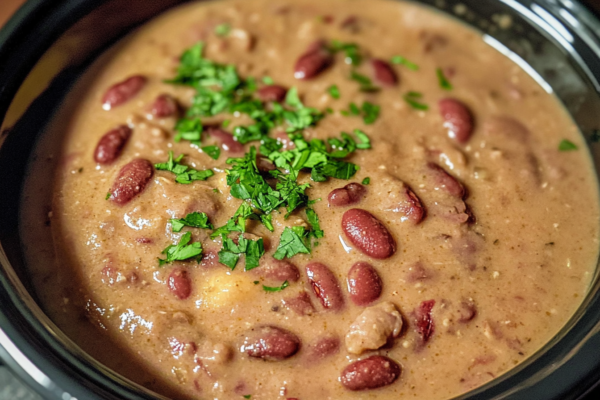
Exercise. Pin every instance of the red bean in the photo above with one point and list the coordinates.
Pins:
(368, 234)
(300, 304)
(325, 286)
(364, 284)
(457, 119)
(179, 283)
(384, 73)
(270, 343)
(277, 270)
(323, 347)
(274, 93)
(350, 194)
(424, 325)
(468, 311)
(316, 59)
(111, 145)
(446, 181)
(411, 207)
(123, 91)
(164, 106)
(371, 373)
(226, 139)
(131, 181)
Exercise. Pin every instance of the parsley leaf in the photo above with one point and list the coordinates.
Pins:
(194, 220)
(412, 98)
(313, 220)
(231, 252)
(366, 181)
(222, 29)
(107, 196)
(370, 112)
(351, 52)
(267, 80)
(366, 85)
(334, 91)
(182, 250)
(276, 288)
(444, 83)
(567, 145)
(399, 60)
(184, 174)
(188, 129)
(212, 151)
(292, 242)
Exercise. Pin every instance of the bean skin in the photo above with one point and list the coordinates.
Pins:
(273, 93)
(316, 59)
(325, 286)
(270, 343)
(457, 119)
(446, 181)
(323, 347)
(179, 283)
(164, 106)
(370, 373)
(226, 140)
(368, 234)
(350, 194)
(364, 284)
(384, 73)
(111, 145)
(122, 92)
(131, 181)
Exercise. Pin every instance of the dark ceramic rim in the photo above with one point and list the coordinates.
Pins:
(33, 349)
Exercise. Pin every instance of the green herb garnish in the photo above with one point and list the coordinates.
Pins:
(194, 220)
(292, 242)
(267, 80)
(108, 196)
(184, 174)
(276, 288)
(412, 98)
(212, 151)
(444, 83)
(567, 145)
(399, 60)
(366, 181)
(231, 252)
(182, 250)
(223, 29)
(351, 51)
(334, 91)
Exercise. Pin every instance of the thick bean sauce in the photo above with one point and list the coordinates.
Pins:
(343, 199)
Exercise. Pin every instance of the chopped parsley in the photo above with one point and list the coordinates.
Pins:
(413, 100)
(351, 51)
(188, 129)
(369, 111)
(366, 85)
(567, 145)
(366, 181)
(231, 252)
(212, 151)
(292, 242)
(184, 174)
(443, 81)
(276, 288)
(267, 80)
(247, 396)
(334, 91)
(222, 29)
(108, 196)
(194, 220)
(182, 250)
(399, 60)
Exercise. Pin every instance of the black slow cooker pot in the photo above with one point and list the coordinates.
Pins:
(49, 42)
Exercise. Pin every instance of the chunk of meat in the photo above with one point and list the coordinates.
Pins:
(374, 328)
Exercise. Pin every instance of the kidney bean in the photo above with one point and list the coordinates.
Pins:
(226, 139)
(457, 119)
(370, 373)
(364, 284)
(123, 91)
(424, 325)
(316, 59)
(264, 164)
(446, 181)
(164, 106)
(179, 283)
(274, 93)
(411, 207)
(323, 347)
(349, 194)
(277, 270)
(270, 343)
(131, 181)
(111, 145)
(467, 311)
(418, 273)
(325, 286)
(384, 73)
(368, 234)
(299, 304)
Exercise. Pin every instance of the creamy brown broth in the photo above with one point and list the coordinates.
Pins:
(501, 267)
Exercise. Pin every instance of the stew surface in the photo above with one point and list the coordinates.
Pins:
(305, 199)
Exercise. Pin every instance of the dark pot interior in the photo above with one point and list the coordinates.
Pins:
(562, 51)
